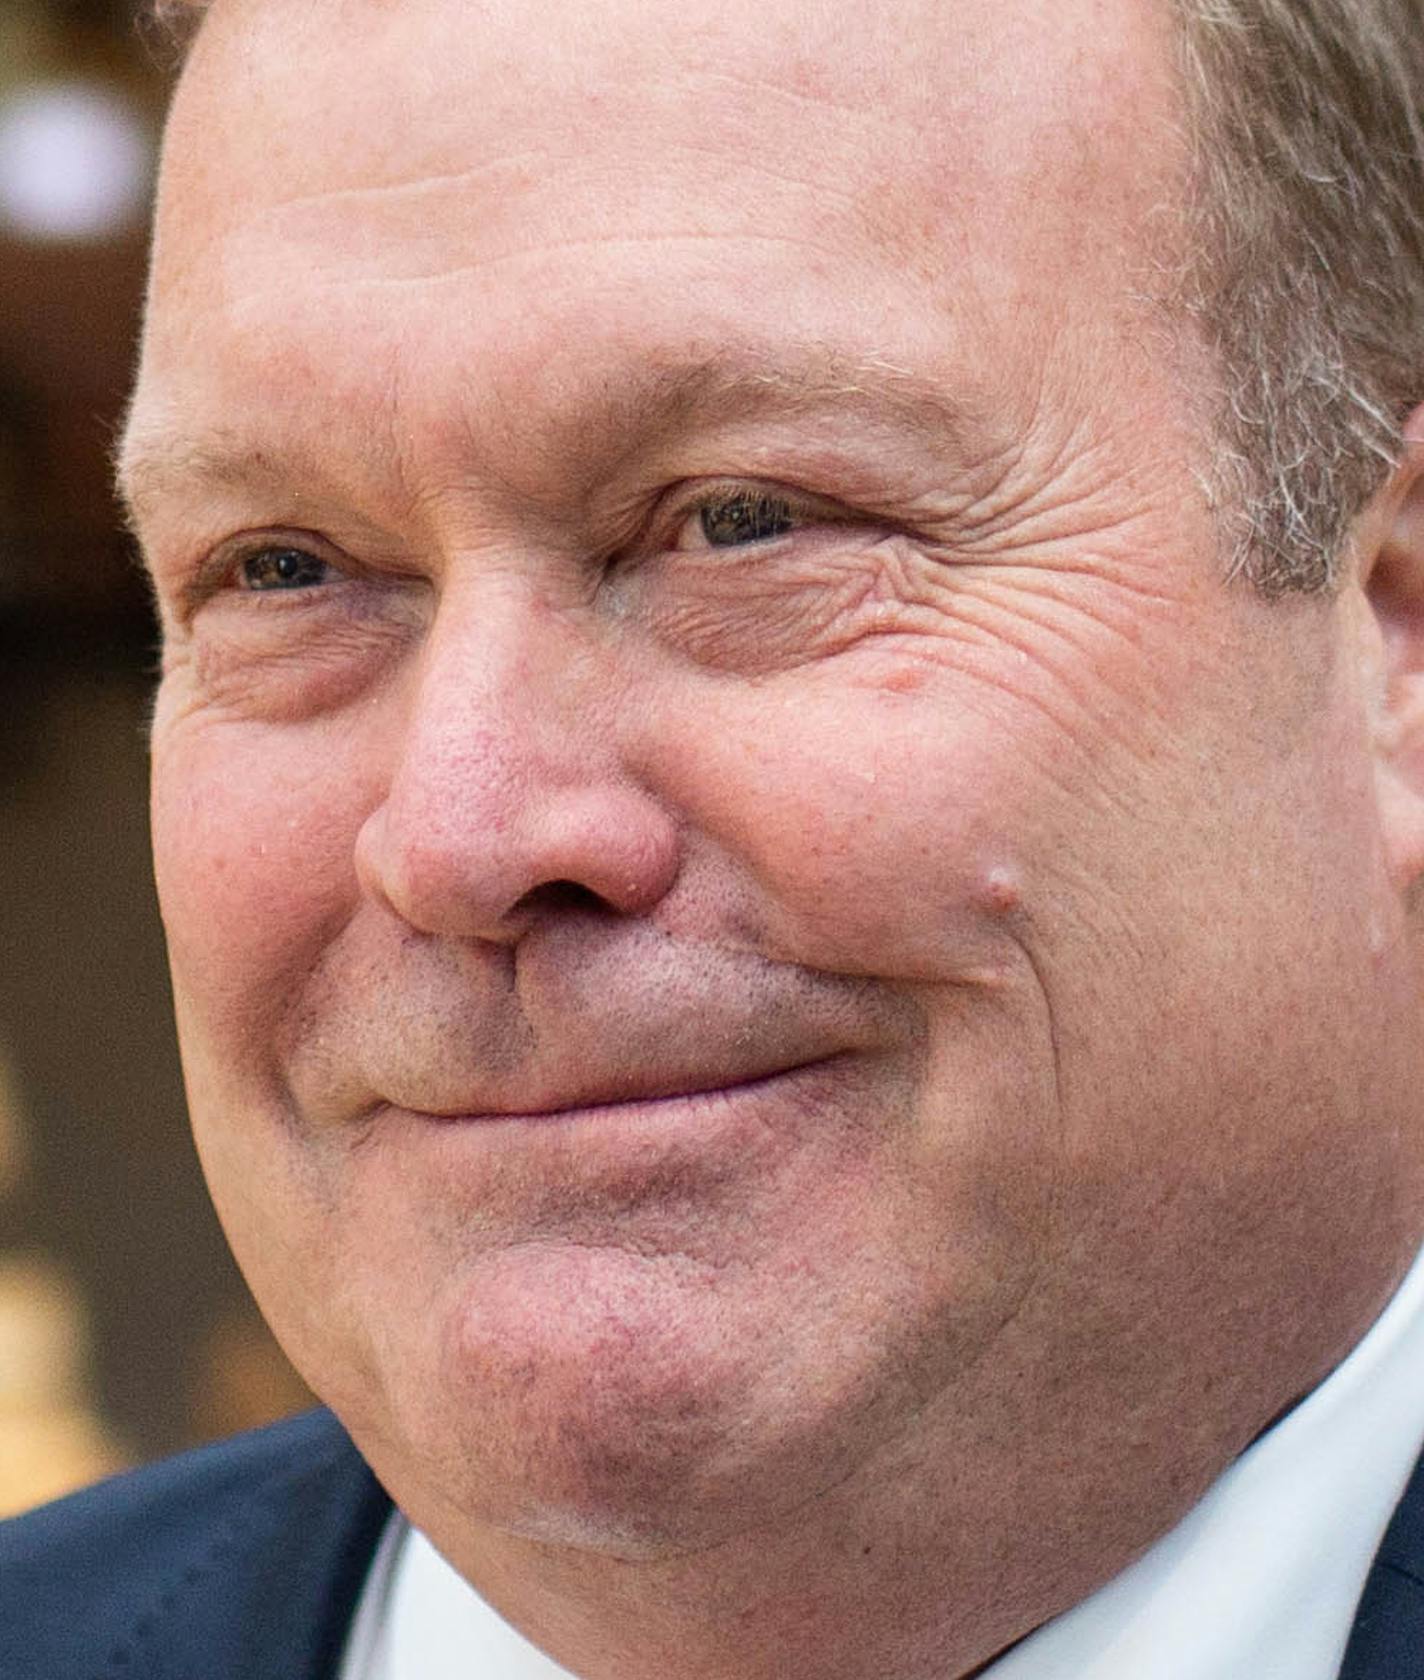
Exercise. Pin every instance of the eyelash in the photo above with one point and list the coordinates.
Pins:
(765, 506)
(761, 503)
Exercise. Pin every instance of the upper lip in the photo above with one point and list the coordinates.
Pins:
(587, 1018)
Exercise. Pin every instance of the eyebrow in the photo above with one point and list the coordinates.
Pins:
(156, 461)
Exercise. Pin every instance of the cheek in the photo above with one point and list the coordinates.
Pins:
(253, 834)
(883, 834)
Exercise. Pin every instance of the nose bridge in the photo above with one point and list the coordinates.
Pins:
(507, 775)
(495, 709)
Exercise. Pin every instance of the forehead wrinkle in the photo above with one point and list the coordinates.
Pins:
(592, 431)
(487, 185)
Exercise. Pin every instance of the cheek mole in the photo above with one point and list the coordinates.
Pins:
(1002, 893)
(905, 680)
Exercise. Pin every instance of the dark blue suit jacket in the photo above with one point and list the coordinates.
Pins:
(244, 1561)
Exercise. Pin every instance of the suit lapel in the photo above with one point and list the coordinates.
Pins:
(281, 1581)
(1387, 1642)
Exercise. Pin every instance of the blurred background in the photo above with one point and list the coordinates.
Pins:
(125, 1331)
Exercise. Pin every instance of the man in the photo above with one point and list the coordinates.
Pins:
(789, 802)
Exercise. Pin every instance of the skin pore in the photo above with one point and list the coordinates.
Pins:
(784, 995)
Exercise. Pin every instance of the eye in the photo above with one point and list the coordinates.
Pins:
(282, 568)
(734, 518)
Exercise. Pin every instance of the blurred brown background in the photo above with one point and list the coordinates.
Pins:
(124, 1329)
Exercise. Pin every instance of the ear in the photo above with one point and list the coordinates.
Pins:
(1389, 547)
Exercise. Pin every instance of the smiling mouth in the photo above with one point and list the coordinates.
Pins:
(649, 1100)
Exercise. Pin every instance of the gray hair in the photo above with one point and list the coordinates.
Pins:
(1307, 262)
(1305, 266)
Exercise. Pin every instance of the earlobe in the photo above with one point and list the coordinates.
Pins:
(1390, 548)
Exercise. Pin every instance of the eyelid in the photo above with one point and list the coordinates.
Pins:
(217, 570)
(690, 499)
(214, 573)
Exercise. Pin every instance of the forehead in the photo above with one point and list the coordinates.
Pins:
(938, 101)
(622, 174)
(926, 57)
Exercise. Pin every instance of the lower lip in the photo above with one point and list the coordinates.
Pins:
(690, 1103)
(602, 1161)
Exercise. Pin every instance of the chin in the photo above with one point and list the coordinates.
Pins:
(634, 1420)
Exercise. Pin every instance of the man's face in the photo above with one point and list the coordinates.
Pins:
(743, 899)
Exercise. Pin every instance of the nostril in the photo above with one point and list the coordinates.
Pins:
(562, 896)
(474, 857)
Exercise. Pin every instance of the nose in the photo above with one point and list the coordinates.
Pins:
(509, 796)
